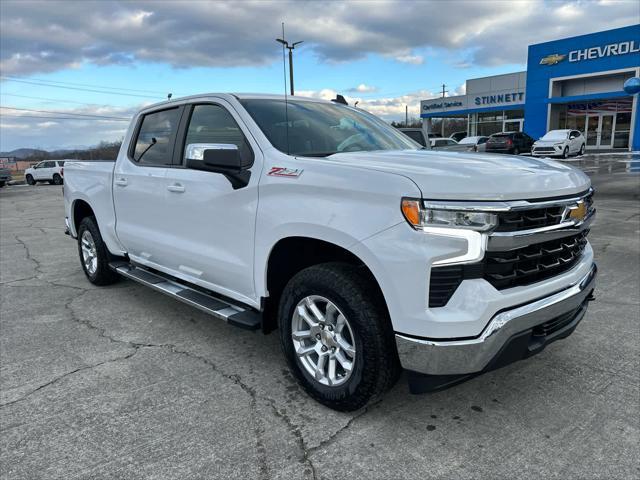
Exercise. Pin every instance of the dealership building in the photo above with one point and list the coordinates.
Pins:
(574, 83)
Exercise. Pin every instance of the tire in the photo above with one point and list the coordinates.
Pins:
(2, 183)
(375, 366)
(30, 180)
(97, 269)
(565, 152)
(582, 149)
(57, 179)
(516, 151)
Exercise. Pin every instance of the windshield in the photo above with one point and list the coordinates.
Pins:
(467, 140)
(322, 129)
(555, 135)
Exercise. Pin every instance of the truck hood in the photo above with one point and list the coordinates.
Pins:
(444, 175)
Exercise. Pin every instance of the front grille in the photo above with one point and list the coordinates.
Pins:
(528, 219)
(533, 263)
(544, 149)
(514, 268)
(535, 218)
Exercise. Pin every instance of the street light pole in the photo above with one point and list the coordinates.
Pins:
(290, 48)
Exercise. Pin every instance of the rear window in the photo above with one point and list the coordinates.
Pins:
(417, 136)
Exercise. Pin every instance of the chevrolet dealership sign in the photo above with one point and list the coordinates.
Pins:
(592, 53)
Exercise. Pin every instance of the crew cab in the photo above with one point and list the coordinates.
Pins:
(51, 171)
(365, 252)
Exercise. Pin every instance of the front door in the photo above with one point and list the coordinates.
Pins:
(213, 224)
(139, 188)
(606, 131)
(599, 131)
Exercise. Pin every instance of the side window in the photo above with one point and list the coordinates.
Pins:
(214, 124)
(154, 145)
(575, 133)
(49, 164)
(61, 164)
(482, 140)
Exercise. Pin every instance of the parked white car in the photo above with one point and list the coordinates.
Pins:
(442, 142)
(559, 143)
(474, 144)
(51, 171)
(365, 251)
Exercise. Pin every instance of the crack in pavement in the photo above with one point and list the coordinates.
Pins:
(60, 377)
(306, 452)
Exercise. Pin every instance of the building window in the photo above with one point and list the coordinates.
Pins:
(488, 123)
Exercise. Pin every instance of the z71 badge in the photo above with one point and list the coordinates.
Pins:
(285, 172)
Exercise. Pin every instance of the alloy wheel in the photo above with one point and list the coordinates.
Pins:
(89, 252)
(323, 340)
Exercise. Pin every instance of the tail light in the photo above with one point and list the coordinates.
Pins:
(62, 171)
(509, 142)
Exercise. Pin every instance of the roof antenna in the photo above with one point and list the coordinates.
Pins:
(286, 104)
(169, 95)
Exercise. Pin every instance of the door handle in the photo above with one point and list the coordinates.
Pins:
(122, 182)
(176, 187)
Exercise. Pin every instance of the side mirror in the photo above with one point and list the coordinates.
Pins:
(221, 158)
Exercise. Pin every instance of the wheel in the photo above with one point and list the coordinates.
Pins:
(516, 151)
(337, 337)
(30, 180)
(57, 179)
(94, 255)
(582, 149)
(565, 152)
(2, 183)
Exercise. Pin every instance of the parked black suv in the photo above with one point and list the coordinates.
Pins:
(509, 142)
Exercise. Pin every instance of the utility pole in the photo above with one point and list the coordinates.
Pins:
(290, 48)
(442, 118)
(406, 115)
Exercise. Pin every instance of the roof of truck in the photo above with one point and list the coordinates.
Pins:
(238, 96)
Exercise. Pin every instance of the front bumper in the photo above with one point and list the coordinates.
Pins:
(530, 326)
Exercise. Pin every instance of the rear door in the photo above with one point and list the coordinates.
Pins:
(213, 224)
(139, 187)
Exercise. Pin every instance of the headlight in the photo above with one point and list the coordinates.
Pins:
(420, 217)
(558, 144)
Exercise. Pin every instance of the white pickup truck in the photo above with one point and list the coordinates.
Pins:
(366, 252)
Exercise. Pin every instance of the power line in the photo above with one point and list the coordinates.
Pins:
(67, 113)
(80, 89)
(60, 100)
(104, 87)
(77, 119)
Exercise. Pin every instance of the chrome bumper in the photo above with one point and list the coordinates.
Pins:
(472, 355)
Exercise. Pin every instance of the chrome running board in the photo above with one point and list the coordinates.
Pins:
(238, 316)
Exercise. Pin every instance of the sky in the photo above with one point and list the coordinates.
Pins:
(74, 72)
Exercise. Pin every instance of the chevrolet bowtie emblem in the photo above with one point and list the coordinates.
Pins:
(552, 59)
(579, 212)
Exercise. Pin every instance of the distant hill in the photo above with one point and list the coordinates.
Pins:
(23, 153)
(103, 151)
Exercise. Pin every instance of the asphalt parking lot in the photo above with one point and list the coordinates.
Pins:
(123, 382)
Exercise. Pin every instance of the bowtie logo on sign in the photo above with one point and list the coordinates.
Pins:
(552, 59)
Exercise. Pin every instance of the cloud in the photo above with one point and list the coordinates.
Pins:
(362, 88)
(47, 36)
(388, 108)
(49, 131)
(412, 59)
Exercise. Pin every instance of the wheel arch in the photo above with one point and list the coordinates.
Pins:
(282, 265)
(80, 209)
